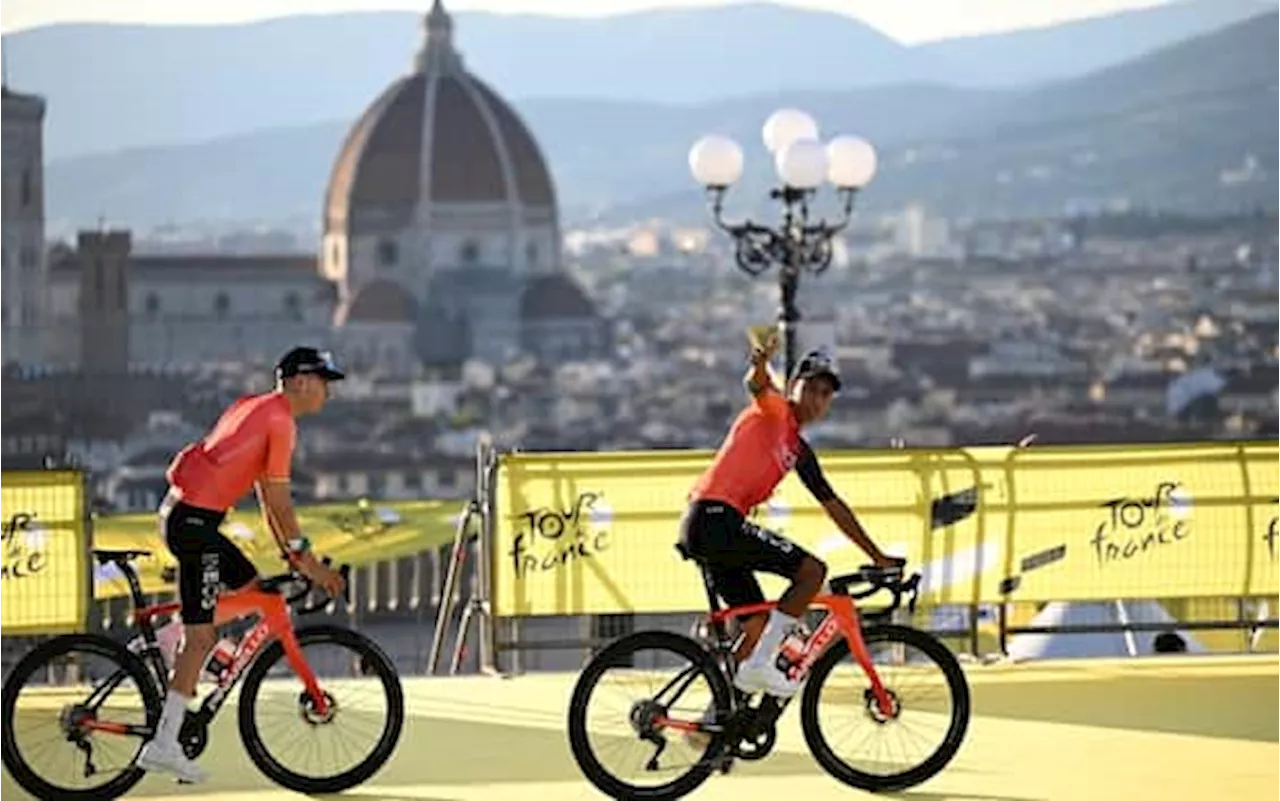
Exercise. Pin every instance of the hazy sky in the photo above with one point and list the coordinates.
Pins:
(906, 20)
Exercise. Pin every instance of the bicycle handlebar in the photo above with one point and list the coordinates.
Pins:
(880, 578)
(279, 582)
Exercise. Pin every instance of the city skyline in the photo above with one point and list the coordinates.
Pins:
(907, 24)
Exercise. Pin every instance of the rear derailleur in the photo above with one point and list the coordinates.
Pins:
(72, 721)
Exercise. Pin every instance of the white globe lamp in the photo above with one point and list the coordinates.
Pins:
(851, 162)
(802, 164)
(715, 161)
(785, 126)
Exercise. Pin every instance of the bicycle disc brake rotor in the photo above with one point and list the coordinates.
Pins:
(873, 707)
(643, 715)
(72, 718)
(307, 708)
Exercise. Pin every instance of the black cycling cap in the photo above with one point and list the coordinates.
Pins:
(309, 361)
(816, 363)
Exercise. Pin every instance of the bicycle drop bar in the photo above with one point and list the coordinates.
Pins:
(306, 585)
(879, 578)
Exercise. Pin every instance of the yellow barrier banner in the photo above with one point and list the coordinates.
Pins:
(357, 532)
(1178, 521)
(595, 533)
(45, 575)
(1262, 483)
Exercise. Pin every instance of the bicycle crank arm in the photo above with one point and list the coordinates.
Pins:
(770, 710)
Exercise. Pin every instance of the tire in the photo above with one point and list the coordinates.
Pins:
(596, 773)
(22, 672)
(833, 765)
(382, 669)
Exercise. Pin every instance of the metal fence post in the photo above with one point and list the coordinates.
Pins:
(445, 610)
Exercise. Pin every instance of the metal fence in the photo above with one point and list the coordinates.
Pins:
(1141, 625)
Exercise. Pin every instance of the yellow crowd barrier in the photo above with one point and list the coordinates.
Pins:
(45, 584)
(594, 533)
(356, 532)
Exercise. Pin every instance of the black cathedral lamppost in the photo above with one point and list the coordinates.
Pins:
(803, 163)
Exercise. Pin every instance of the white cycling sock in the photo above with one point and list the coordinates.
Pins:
(774, 630)
(175, 710)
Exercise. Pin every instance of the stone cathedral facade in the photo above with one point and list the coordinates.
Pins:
(441, 243)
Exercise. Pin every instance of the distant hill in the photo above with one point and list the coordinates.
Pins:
(118, 86)
(1072, 49)
(1160, 130)
(288, 168)
(1166, 130)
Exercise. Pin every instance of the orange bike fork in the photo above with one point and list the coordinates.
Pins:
(847, 613)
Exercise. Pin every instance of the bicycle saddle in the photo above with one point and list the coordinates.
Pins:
(104, 556)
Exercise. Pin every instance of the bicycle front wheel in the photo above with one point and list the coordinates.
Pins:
(76, 712)
(917, 739)
(313, 753)
(640, 705)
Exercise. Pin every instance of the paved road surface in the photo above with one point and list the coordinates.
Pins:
(1165, 729)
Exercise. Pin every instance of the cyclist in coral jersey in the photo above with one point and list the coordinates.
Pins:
(250, 447)
(762, 446)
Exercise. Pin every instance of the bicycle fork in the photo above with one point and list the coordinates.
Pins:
(845, 618)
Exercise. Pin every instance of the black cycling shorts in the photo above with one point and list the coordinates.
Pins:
(208, 562)
(734, 549)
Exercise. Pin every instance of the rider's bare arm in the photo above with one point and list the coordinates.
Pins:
(811, 476)
(273, 488)
(277, 510)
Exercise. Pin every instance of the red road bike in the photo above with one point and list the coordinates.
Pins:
(72, 678)
(723, 725)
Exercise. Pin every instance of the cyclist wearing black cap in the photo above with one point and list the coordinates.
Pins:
(762, 446)
(250, 447)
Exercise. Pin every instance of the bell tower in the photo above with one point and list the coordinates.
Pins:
(24, 294)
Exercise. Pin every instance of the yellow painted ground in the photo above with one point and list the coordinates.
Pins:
(1165, 729)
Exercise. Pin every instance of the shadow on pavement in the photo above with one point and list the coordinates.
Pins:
(1229, 706)
(432, 751)
(920, 795)
(379, 796)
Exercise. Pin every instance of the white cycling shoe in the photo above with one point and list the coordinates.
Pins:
(167, 757)
(754, 677)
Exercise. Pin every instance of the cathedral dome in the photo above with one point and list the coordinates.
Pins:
(382, 301)
(437, 136)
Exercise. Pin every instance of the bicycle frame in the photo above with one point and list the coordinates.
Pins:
(276, 622)
(841, 618)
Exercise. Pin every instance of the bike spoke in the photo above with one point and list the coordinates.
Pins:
(52, 711)
(886, 747)
(617, 744)
(306, 744)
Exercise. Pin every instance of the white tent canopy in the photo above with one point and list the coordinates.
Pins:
(1116, 644)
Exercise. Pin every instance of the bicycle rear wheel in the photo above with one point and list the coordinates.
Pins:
(929, 692)
(86, 704)
(365, 697)
(662, 694)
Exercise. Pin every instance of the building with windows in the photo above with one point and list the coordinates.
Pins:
(24, 267)
(441, 244)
